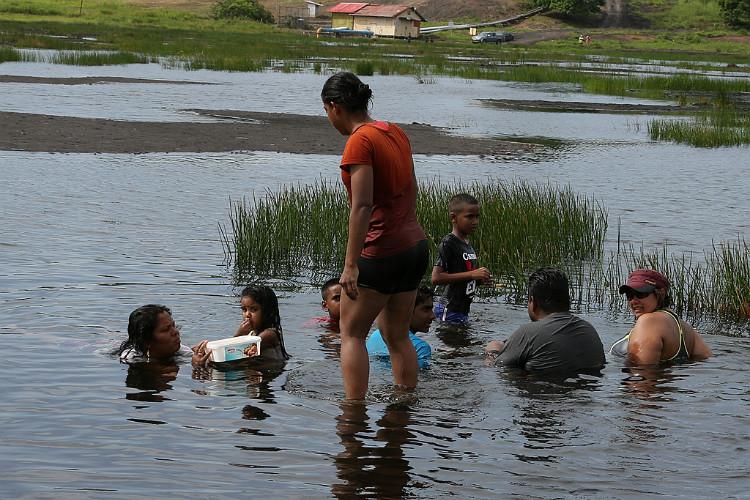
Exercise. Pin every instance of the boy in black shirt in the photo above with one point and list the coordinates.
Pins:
(457, 264)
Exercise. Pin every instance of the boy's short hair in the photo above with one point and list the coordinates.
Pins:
(423, 294)
(458, 202)
(327, 285)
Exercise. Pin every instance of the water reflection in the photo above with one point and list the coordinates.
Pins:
(548, 407)
(150, 379)
(654, 383)
(651, 387)
(253, 379)
(330, 341)
(380, 471)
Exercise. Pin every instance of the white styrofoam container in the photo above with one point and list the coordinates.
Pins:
(232, 348)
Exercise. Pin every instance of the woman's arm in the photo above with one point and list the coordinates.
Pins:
(700, 348)
(359, 221)
(646, 341)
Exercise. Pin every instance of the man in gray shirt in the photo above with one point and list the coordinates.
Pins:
(555, 340)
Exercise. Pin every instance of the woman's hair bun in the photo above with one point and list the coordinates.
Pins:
(364, 91)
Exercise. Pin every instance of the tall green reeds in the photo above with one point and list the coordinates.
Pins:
(708, 287)
(610, 84)
(722, 126)
(9, 54)
(302, 229)
(99, 58)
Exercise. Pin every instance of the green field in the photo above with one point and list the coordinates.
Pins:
(134, 31)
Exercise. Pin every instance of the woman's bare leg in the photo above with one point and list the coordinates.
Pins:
(357, 317)
(393, 322)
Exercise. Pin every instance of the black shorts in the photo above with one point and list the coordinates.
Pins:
(396, 273)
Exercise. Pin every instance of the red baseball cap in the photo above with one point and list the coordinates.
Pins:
(645, 281)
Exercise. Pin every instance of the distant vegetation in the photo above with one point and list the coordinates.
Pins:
(242, 9)
(736, 12)
(571, 8)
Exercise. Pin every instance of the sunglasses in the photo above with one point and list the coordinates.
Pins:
(638, 295)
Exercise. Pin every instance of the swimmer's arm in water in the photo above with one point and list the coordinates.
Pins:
(359, 220)
(492, 351)
(244, 329)
(700, 348)
(646, 341)
(200, 355)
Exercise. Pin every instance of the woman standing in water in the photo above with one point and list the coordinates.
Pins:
(386, 252)
(659, 335)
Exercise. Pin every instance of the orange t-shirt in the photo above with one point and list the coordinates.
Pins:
(393, 224)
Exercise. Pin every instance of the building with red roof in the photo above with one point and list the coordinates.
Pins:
(398, 21)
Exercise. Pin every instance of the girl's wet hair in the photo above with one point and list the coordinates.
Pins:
(141, 326)
(347, 90)
(269, 307)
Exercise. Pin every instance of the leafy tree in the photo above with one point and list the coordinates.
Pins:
(736, 13)
(573, 8)
(242, 9)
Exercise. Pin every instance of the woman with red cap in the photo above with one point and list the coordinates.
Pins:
(659, 335)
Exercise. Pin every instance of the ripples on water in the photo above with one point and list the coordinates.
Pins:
(87, 238)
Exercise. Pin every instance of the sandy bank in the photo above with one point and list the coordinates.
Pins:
(238, 131)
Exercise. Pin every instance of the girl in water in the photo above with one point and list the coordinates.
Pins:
(260, 317)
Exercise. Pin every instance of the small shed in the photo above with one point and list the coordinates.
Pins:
(313, 8)
(398, 21)
(341, 14)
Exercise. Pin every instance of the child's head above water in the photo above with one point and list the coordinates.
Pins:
(423, 315)
(464, 213)
(260, 309)
(331, 294)
(152, 332)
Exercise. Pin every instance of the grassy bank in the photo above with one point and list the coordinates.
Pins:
(203, 42)
(302, 229)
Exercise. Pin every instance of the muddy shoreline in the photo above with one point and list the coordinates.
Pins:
(588, 107)
(235, 131)
(90, 80)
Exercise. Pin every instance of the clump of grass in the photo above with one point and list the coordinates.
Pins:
(711, 288)
(287, 233)
(648, 86)
(9, 54)
(722, 126)
(729, 265)
(364, 68)
(78, 58)
(304, 228)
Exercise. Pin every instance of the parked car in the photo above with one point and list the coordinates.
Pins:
(492, 36)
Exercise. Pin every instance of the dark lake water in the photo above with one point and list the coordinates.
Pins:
(87, 238)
